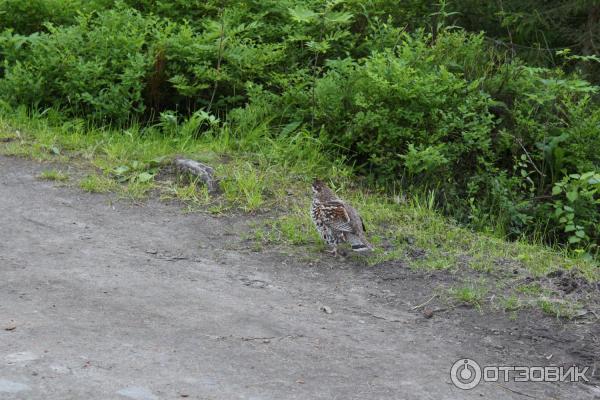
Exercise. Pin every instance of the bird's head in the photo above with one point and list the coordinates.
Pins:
(317, 186)
(320, 188)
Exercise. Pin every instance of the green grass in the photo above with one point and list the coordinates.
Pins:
(194, 195)
(271, 177)
(473, 294)
(511, 303)
(245, 186)
(559, 308)
(97, 184)
(534, 288)
(53, 175)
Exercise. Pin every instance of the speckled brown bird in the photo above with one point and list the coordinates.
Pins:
(336, 221)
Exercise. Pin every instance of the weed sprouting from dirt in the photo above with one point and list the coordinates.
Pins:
(53, 175)
(97, 184)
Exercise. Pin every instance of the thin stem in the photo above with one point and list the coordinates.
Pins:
(219, 59)
(510, 37)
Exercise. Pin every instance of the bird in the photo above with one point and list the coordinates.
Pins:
(337, 221)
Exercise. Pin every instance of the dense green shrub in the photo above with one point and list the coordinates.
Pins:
(119, 64)
(209, 68)
(96, 67)
(576, 215)
(403, 112)
(27, 17)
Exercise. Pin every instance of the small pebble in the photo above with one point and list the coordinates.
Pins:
(326, 309)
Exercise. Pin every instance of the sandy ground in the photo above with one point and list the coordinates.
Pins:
(102, 299)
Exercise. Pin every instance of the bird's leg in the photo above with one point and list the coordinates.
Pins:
(333, 251)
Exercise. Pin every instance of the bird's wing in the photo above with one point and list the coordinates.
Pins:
(355, 219)
(336, 216)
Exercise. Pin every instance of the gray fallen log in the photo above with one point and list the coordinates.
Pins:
(203, 172)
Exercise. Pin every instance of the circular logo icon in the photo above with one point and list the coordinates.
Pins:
(465, 374)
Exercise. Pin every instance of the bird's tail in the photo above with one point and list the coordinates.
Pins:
(359, 242)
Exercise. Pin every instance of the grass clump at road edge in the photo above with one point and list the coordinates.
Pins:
(97, 184)
(473, 295)
(53, 175)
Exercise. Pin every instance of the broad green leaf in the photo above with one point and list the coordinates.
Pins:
(556, 190)
(569, 228)
(145, 177)
(291, 127)
(339, 17)
(594, 181)
(587, 175)
(157, 161)
(302, 14)
(122, 170)
(319, 47)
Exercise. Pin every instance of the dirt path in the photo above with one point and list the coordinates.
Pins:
(106, 300)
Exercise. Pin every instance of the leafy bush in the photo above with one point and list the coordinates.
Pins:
(576, 209)
(96, 67)
(27, 17)
(401, 111)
